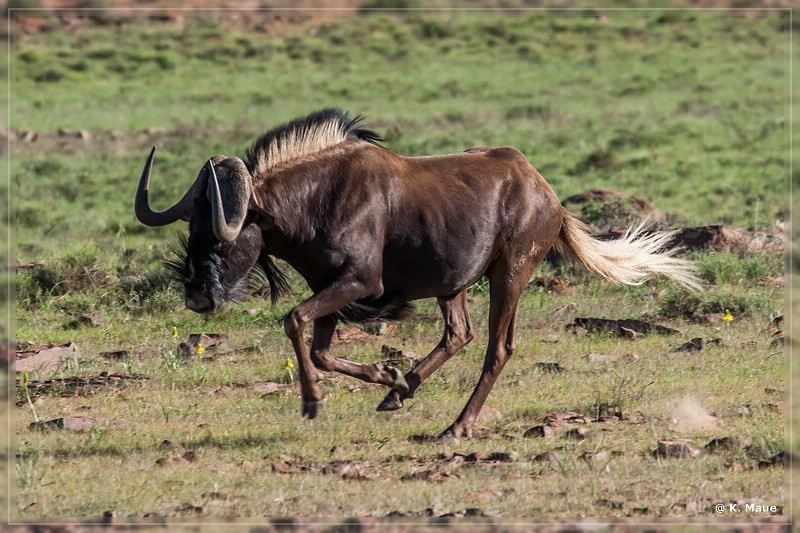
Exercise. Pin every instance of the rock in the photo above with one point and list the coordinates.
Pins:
(581, 433)
(116, 355)
(543, 431)
(47, 360)
(629, 328)
(206, 341)
(75, 423)
(503, 457)
(398, 355)
(554, 418)
(596, 457)
(551, 368)
(379, 327)
(268, 388)
(778, 459)
(675, 448)
(552, 455)
(728, 443)
(695, 345)
(283, 467)
(554, 285)
(741, 410)
(168, 445)
(569, 307)
(350, 334)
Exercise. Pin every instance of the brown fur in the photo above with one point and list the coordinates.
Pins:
(370, 230)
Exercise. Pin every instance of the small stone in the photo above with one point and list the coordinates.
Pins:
(778, 459)
(728, 443)
(546, 457)
(581, 433)
(380, 328)
(283, 467)
(742, 410)
(675, 448)
(542, 431)
(595, 457)
(503, 457)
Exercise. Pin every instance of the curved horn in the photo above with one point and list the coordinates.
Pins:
(240, 188)
(141, 205)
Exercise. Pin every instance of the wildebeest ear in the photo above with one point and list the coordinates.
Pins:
(260, 216)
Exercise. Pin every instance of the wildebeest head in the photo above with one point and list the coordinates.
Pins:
(223, 244)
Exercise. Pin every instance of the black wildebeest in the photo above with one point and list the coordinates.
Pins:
(371, 230)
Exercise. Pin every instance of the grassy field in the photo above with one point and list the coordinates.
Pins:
(686, 108)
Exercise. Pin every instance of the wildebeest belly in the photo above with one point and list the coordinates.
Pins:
(433, 269)
(441, 248)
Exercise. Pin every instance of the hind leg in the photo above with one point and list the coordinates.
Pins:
(324, 360)
(506, 287)
(457, 334)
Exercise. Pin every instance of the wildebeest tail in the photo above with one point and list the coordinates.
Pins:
(631, 259)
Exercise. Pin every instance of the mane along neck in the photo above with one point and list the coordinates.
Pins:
(304, 137)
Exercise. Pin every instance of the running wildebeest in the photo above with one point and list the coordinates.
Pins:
(370, 231)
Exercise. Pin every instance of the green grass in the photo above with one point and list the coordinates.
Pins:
(688, 109)
(238, 435)
(697, 126)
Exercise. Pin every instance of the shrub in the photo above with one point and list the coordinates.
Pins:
(731, 269)
(678, 302)
(78, 271)
(619, 212)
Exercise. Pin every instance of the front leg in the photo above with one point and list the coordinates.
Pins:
(311, 392)
(323, 303)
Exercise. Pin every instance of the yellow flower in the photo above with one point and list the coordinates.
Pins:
(728, 316)
(25, 378)
(200, 349)
(289, 364)
(174, 332)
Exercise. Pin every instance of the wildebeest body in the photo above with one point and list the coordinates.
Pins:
(401, 227)
(370, 230)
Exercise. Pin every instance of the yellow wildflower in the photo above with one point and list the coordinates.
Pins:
(200, 349)
(174, 332)
(289, 364)
(728, 316)
(25, 379)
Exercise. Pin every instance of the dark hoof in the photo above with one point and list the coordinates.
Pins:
(312, 409)
(400, 383)
(390, 403)
(448, 437)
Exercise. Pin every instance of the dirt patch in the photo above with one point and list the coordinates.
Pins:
(689, 415)
(115, 142)
(74, 385)
(270, 17)
(638, 204)
(44, 359)
(627, 328)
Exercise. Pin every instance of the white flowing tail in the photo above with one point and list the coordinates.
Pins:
(631, 259)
